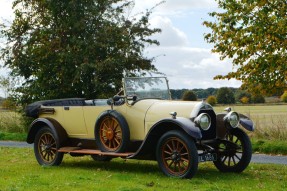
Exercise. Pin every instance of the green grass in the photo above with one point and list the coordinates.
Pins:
(20, 171)
(4, 136)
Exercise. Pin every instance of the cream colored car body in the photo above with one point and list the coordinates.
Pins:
(79, 121)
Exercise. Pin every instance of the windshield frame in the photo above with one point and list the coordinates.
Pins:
(154, 80)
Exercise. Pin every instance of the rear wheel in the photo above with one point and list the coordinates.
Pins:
(177, 155)
(234, 153)
(46, 147)
(112, 133)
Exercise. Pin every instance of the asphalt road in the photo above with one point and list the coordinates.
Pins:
(256, 158)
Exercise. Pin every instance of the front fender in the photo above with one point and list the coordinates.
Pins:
(246, 122)
(38, 123)
(147, 148)
(180, 123)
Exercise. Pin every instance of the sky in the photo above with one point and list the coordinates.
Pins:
(183, 55)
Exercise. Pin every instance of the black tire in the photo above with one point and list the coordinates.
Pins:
(234, 154)
(101, 158)
(46, 147)
(177, 155)
(112, 132)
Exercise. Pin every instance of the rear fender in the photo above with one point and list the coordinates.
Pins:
(56, 128)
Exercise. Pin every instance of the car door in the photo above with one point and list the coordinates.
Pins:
(74, 121)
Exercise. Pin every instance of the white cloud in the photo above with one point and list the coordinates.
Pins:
(190, 68)
(6, 10)
(170, 35)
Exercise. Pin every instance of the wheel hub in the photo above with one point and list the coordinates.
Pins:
(110, 134)
(175, 156)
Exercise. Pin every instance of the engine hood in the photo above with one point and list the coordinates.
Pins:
(162, 109)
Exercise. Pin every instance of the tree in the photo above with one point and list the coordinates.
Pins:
(225, 96)
(75, 48)
(189, 96)
(6, 84)
(242, 94)
(257, 98)
(253, 34)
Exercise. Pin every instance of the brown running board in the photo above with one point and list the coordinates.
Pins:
(78, 150)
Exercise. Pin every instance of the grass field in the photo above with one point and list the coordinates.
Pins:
(20, 171)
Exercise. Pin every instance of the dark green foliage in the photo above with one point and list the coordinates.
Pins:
(258, 98)
(67, 48)
(225, 96)
(177, 94)
(189, 96)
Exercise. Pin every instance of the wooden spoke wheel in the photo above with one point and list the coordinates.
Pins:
(234, 153)
(177, 155)
(112, 132)
(46, 146)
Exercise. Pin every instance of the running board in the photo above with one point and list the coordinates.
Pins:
(78, 150)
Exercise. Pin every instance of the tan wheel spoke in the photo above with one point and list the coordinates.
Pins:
(183, 154)
(184, 159)
(169, 147)
(171, 164)
(117, 141)
(173, 145)
(168, 158)
(169, 153)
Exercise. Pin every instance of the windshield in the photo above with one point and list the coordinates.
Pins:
(147, 87)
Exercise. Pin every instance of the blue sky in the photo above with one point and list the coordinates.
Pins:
(183, 55)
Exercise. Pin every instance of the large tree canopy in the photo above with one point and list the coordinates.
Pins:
(75, 48)
(254, 34)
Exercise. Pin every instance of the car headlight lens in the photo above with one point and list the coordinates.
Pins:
(203, 121)
(232, 118)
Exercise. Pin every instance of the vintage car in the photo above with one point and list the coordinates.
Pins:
(141, 122)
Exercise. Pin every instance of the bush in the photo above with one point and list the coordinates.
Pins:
(284, 97)
(225, 96)
(211, 100)
(244, 100)
(189, 96)
(258, 98)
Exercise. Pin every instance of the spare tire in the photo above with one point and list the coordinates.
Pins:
(112, 132)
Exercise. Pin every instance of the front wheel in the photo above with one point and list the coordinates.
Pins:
(234, 153)
(177, 155)
(46, 146)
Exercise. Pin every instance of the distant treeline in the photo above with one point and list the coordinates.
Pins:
(200, 93)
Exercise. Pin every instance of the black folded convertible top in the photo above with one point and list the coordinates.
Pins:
(32, 110)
